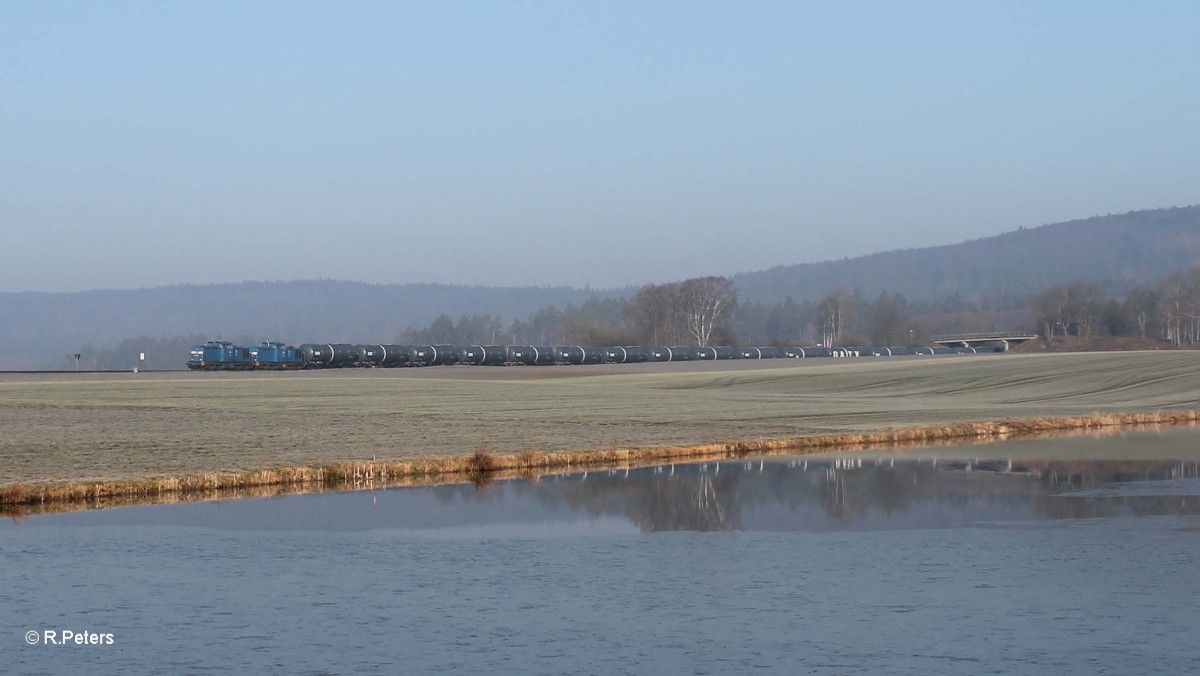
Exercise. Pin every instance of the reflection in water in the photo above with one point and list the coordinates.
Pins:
(699, 502)
(720, 496)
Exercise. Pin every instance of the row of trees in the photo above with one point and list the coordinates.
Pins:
(1169, 310)
(468, 330)
(593, 322)
(703, 311)
(696, 312)
(841, 317)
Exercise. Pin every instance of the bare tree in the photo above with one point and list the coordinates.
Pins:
(703, 302)
(886, 319)
(834, 314)
(1084, 302)
(653, 314)
(1048, 308)
(1139, 308)
(1173, 293)
(1180, 306)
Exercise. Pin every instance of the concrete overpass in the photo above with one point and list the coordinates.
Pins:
(997, 340)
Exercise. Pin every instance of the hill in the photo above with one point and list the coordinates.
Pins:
(1115, 251)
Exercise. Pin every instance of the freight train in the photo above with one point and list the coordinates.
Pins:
(219, 355)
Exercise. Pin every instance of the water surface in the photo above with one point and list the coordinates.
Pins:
(988, 559)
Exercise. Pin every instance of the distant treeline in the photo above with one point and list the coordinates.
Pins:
(1168, 310)
(706, 311)
(693, 312)
(665, 315)
(682, 314)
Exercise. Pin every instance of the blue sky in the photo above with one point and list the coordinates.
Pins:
(569, 143)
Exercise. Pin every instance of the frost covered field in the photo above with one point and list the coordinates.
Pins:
(73, 427)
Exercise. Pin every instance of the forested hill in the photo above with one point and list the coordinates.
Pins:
(37, 330)
(1115, 251)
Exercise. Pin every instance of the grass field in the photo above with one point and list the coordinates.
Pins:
(101, 427)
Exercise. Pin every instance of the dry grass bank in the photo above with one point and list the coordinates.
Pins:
(105, 434)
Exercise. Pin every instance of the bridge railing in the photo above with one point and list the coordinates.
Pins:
(993, 335)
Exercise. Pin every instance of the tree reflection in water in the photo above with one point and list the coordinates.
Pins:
(846, 492)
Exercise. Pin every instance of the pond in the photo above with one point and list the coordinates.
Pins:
(1050, 556)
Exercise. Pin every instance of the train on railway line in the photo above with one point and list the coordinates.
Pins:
(219, 355)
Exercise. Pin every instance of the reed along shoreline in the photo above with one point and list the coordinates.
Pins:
(484, 464)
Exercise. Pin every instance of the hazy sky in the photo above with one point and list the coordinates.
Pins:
(569, 142)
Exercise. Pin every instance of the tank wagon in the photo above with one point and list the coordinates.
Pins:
(485, 355)
(578, 354)
(329, 355)
(677, 353)
(763, 353)
(530, 355)
(274, 355)
(627, 355)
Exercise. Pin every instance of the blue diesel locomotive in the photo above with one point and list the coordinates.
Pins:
(225, 356)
